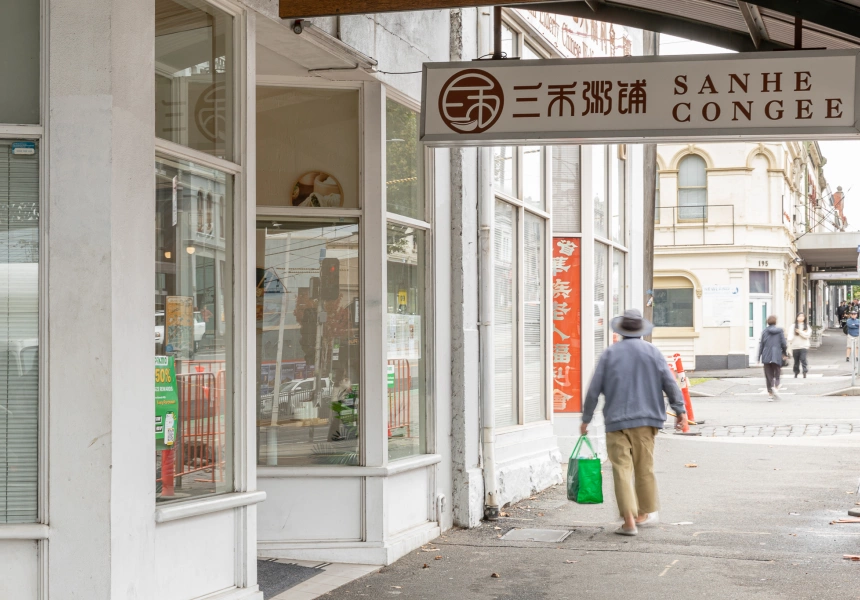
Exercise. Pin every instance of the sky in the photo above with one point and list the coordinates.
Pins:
(843, 156)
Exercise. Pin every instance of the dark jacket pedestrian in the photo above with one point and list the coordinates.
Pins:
(771, 348)
(632, 375)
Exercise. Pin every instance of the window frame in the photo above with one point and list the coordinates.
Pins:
(429, 333)
(367, 111)
(240, 336)
(607, 240)
(36, 132)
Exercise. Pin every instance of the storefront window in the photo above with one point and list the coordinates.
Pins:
(193, 331)
(406, 341)
(534, 314)
(617, 182)
(533, 180)
(504, 325)
(20, 65)
(194, 65)
(308, 147)
(19, 330)
(617, 282)
(308, 349)
(504, 169)
(600, 317)
(673, 307)
(598, 189)
(566, 190)
(404, 161)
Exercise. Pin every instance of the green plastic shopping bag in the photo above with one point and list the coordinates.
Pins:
(584, 479)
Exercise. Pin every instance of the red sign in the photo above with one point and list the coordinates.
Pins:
(567, 326)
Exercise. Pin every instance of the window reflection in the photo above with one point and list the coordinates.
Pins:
(406, 342)
(193, 319)
(193, 76)
(308, 348)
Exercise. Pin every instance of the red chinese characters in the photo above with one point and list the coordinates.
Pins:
(567, 326)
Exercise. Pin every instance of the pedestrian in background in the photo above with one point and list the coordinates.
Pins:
(771, 348)
(852, 328)
(840, 311)
(799, 344)
(632, 376)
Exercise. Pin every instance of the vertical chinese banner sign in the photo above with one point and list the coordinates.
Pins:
(567, 326)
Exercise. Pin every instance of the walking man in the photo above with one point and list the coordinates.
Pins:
(852, 328)
(799, 343)
(771, 348)
(632, 376)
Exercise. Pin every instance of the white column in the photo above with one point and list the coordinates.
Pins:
(101, 204)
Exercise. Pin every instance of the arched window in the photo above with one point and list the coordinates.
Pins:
(692, 189)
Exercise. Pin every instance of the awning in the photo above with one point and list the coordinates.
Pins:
(831, 250)
(733, 24)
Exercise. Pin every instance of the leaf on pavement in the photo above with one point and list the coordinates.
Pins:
(851, 557)
(691, 465)
(495, 576)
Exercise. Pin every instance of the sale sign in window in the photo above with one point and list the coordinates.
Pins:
(567, 326)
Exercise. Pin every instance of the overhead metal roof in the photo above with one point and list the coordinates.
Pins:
(742, 26)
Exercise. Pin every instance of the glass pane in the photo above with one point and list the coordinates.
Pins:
(617, 178)
(404, 160)
(533, 176)
(598, 188)
(307, 147)
(308, 343)
(618, 291)
(692, 204)
(691, 172)
(759, 282)
(600, 318)
(193, 331)
(194, 76)
(534, 349)
(566, 191)
(503, 170)
(529, 53)
(673, 307)
(20, 64)
(509, 41)
(19, 331)
(407, 394)
(504, 330)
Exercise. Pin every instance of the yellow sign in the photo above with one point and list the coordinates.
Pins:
(179, 325)
(402, 297)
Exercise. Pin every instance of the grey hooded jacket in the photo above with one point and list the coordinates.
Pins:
(772, 345)
(632, 376)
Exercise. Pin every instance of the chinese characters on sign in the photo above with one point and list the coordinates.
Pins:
(553, 100)
(566, 321)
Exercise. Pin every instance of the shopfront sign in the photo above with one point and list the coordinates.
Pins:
(295, 9)
(566, 330)
(799, 94)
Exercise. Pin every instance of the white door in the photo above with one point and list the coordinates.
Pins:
(759, 310)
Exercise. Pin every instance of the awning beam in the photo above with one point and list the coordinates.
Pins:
(755, 24)
(659, 22)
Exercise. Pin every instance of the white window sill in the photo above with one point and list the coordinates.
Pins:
(194, 508)
(393, 468)
(24, 531)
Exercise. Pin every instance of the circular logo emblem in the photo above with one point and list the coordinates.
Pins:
(471, 101)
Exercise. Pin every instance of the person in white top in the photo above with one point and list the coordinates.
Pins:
(798, 341)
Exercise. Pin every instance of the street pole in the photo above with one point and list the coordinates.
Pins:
(272, 434)
(650, 47)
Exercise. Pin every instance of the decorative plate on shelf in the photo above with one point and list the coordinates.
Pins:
(318, 189)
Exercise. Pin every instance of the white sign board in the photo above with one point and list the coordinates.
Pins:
(795, 95)
(720, 305)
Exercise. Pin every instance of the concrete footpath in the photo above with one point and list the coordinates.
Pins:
(750, 520)
(746, 514)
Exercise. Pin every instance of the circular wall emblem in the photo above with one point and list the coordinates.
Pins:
(471, 101)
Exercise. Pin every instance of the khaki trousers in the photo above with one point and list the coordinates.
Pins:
(631, 452)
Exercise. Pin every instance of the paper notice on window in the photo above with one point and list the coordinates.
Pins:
(404, 336)
(721, 305)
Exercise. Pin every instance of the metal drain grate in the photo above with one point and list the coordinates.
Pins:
(537, 535)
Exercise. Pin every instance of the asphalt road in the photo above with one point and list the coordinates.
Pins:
(751, 520)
